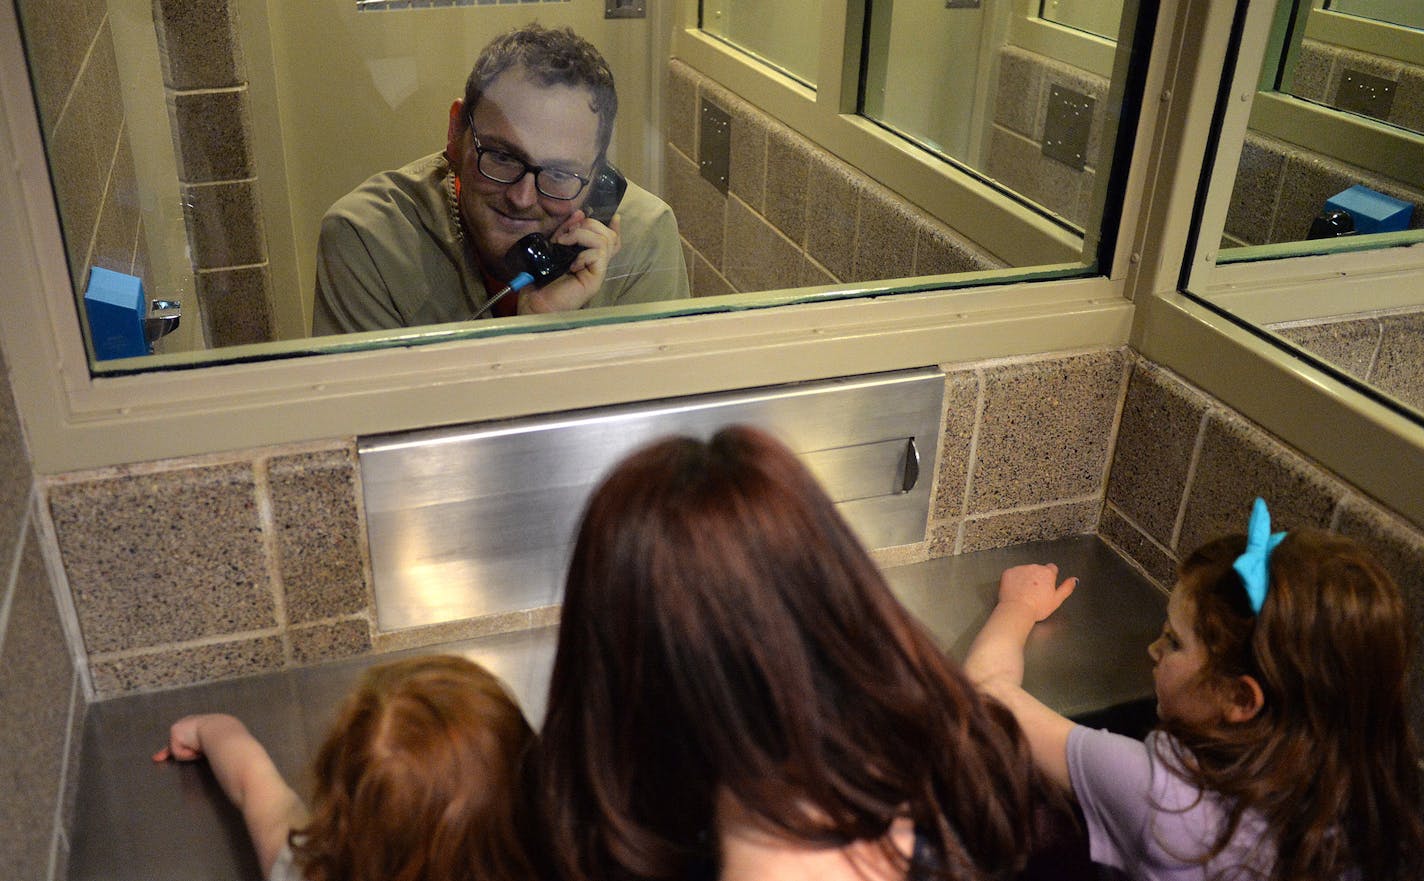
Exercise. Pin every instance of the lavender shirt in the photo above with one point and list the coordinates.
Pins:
(1146, 820)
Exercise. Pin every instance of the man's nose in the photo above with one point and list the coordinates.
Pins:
(522, 192)
(1154, 649)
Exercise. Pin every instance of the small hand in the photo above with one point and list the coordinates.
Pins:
(1033, 587)
(184, 742)
(588, 271)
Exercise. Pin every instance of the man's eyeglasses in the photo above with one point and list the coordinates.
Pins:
(506, 168)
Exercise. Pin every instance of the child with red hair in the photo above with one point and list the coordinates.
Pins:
(421, 778)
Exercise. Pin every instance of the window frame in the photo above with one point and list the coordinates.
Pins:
(1314, 408)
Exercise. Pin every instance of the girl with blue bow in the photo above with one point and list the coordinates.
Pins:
(1283, 749)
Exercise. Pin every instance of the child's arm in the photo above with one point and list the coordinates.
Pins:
(1027, 595)
(245, 771)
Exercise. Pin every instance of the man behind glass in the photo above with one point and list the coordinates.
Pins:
(425, 244)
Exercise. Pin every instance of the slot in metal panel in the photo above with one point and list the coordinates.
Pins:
(474, 520)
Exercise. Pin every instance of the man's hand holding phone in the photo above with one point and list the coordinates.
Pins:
(599, 243)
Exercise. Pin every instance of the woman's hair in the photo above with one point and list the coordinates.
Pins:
(422, 778)
(723, 631)
(1329, 762)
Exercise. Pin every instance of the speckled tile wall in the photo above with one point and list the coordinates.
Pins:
(41, 699)
(1321, 68)
(1024, 452)
(1384, 349)
(1016, 157)
(1186, 469)
(194, 570)
(758, 236)
(1280, 188)
(187, 571)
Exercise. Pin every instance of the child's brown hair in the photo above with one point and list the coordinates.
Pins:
(422, 778)
(1329, 762)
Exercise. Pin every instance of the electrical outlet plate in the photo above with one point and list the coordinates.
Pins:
(1065, 134)
(1365, 94)
(714, 145)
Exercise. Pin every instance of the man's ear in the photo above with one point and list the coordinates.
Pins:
(1244, 699)
(455, 133)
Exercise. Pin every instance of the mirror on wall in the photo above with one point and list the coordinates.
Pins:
(1333, 162)
(200, 148)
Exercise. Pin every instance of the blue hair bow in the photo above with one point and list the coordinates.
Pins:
(1253, 566)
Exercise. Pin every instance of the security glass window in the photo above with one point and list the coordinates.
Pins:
(1313, 226)
(781, 34)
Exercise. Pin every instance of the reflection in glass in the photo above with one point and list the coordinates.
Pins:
(929, 68)
(206, 169)
(1409, 13)
(1310, 174)
(783, 33)
(503, 221)
(1099, 17)
(1369, 69)
(1333, 161)
(923, 70)
(1382, 348)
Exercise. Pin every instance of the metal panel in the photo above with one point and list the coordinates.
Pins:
(1065, 132)
(474, 520)
(714, 146)
(1365, 93)
(625, 9)
(136, 821)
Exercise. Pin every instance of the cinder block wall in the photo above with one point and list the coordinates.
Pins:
(205, 78)
(1383, 348)
(195, 569)
(794, 215)
(1016, 157)
(1186, 468)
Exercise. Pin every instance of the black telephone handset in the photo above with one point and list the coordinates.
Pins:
(543, 260)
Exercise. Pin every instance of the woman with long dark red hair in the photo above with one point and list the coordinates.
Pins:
(737, 694)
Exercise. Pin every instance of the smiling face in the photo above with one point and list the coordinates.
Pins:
(549, 126)
(1178, 659)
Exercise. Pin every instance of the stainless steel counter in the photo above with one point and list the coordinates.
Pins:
(146, 822)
